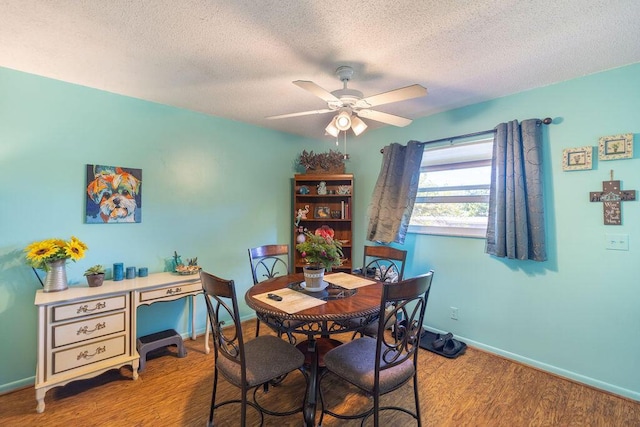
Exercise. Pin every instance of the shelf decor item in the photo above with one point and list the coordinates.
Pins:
(118, 271)
(616, 147)
(322, 212)
(180, 268)
(51, 255)
(322, 163)
(95, 275)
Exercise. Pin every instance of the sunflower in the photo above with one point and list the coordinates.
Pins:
(74, 239)
(39, 254)
(75, 249)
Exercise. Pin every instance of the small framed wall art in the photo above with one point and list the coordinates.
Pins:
(577, 159)
(616, 147)
(322, 212)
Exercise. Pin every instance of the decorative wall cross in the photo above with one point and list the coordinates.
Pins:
(611, 196)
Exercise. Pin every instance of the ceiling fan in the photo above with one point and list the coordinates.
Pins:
(351, 105)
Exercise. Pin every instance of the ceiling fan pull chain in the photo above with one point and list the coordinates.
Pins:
(345, 144)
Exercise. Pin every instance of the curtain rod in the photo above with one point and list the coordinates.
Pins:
(546, 121)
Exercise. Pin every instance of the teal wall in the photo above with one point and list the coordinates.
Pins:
(577, 314)
(213, 187)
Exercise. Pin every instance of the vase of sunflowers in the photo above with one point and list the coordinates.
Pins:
(51, 255)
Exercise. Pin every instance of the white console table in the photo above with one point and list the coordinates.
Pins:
(83, 331)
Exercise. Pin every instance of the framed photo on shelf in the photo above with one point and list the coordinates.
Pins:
(322, 212)
(616, 147)
(576, 159)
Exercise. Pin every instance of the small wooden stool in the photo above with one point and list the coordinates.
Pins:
(158, 340)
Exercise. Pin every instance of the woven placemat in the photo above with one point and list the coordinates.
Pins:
(292, 301)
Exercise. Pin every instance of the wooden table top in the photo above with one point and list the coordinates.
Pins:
(364, 302)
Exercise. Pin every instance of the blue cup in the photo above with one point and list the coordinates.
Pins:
(118, 271)
(143, 272)
(131, 272)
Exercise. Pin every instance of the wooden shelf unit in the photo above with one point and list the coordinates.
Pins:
(335, 202)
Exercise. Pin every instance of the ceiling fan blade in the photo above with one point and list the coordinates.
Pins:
(303, 113)
(402, 94)
(316, 90)
(387, 118)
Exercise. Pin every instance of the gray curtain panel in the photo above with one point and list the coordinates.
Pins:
(395, 193)
(516, 203)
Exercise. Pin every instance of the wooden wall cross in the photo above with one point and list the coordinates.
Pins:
(611, 196)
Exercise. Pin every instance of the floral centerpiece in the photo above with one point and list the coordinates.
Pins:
(51, 256)
(320, 250)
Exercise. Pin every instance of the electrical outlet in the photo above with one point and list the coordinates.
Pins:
(617, 242)
(454, 313)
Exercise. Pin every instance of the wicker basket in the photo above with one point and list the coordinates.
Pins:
(332, 170)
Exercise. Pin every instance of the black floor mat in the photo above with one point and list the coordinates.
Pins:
(427, 339)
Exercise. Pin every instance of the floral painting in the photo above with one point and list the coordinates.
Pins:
(579, 158)
(114, 194)
(616, 147)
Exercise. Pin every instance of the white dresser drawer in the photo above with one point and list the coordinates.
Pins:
(65, 360)
(175, 291)
(85, 308)
(92, 327)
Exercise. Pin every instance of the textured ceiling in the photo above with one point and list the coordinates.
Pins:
(237, 59)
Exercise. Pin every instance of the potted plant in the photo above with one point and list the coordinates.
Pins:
(321, 252)
(95, 275)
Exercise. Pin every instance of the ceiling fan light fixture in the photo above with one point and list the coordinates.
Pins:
(343, 120)
(331, 128)
(357, 125)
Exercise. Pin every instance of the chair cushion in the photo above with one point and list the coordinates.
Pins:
(267, 357)
(354, 361)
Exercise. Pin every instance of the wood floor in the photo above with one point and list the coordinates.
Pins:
(476, 389)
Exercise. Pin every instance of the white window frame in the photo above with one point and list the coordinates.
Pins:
(436, 158)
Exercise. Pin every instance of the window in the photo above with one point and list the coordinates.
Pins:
(453, 193)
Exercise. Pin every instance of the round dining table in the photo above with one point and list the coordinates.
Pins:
(345, 310)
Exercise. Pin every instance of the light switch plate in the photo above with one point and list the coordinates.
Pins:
(617, 242)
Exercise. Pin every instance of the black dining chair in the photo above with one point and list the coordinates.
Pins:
(247, 365)
(380, 365)
(267, 262)
(383, 263)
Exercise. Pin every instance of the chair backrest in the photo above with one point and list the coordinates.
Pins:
(269, 261)
(409, 300)
(222, 306)
(384, 263)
